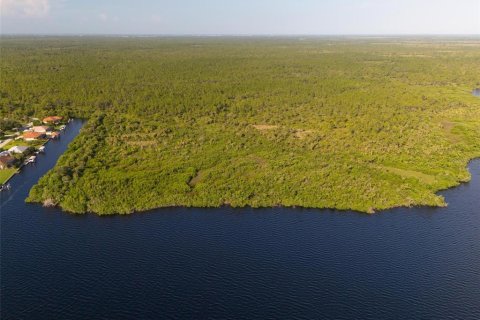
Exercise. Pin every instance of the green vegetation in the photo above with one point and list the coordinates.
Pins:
(20, 142)
(363, 124)
(6, 125)
(6, 174)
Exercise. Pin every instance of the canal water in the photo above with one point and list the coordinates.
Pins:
(421, 263)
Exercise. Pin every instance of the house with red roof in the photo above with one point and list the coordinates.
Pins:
(30, 136)
(52, 119)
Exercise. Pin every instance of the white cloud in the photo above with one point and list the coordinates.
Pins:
(26, 8)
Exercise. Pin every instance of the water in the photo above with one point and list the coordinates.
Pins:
(476, 92)
(419, 263)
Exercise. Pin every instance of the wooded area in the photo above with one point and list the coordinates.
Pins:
(363, 124)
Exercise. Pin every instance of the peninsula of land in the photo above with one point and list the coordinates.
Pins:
(363, 124)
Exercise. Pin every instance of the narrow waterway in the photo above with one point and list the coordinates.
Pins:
(421, 263)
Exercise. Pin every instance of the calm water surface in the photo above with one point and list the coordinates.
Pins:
(419, 263)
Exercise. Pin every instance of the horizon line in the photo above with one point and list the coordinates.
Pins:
(250, 34)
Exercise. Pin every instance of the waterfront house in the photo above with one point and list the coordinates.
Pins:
(30, 136)
(6, 162)
(18, 149)
(52, 119)
(42, 129)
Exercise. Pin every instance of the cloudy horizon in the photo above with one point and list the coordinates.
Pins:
(215, 17)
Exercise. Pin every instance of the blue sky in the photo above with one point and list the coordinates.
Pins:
(244, 17)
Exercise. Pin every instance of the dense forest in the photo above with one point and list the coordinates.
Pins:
(363, 124)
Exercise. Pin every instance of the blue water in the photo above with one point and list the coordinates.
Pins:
(421, 263)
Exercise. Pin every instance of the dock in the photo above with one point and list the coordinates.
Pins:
(31, 159)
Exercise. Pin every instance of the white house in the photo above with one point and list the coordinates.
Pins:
(41, 129)
(17, 149)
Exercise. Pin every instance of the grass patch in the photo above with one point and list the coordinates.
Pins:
(420, 176)
(6, 174)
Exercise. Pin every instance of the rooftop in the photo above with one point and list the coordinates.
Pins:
(52, 119)
(18, 149)
(33, 135)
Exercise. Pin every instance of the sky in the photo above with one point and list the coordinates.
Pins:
(240, 17)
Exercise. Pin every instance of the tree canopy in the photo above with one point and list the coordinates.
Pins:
(363, 124)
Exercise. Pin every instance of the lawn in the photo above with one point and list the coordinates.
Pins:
(21, 142)
(6, 174)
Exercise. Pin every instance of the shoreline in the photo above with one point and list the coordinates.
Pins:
(19, 168)
(9, 178)
(336, 210)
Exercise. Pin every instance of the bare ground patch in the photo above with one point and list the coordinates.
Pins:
(264, 127)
